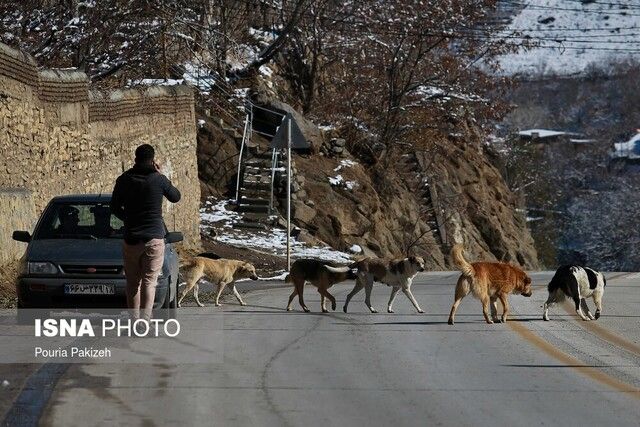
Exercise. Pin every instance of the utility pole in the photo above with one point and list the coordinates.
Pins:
(289, 193)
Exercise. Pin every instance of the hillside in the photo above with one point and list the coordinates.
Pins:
(579, 76)
(571, 37)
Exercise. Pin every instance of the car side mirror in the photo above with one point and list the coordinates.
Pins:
(173, 237)
(22, 236)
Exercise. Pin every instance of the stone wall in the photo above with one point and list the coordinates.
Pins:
(57, 136)
(17, 212)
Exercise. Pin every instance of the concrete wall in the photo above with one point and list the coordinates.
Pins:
(57, 136)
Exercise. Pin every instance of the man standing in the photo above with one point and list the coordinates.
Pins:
(137, 201)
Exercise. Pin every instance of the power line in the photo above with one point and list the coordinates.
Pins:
(584, 30)
(621, 12)
(608, 3)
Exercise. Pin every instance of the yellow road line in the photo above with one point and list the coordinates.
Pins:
(604, 333)
(576, 364)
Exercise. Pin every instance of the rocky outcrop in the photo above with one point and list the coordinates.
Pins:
(310, 131)
(349, 204)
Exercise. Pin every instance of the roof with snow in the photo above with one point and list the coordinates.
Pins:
(629, 149)
(552, 135)
(541, 133)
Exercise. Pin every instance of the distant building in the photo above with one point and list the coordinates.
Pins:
(626, 155)
(629, 150)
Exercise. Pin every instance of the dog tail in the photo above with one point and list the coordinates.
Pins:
(287, 278)
(342, 273)
(458, 259)
(357, 263)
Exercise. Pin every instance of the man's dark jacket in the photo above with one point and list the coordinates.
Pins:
(137, 201)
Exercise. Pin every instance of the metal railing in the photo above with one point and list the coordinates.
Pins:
(246, 136)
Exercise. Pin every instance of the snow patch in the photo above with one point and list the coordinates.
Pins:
(345, 164)
(265, 71)
(339, 181)
(326, 128)
(355, 249)
(216, 216)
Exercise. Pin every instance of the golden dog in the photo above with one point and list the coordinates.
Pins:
(320, 275)
(488, 281)
(221, 272)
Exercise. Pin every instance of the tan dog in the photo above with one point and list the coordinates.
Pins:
(397, 273)
(488, 281)
(222, 272)
(320, 275)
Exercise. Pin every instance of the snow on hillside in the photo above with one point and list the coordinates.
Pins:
(216, 215)
(573, 36)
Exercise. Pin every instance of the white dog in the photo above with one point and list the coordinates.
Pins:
(397, 273)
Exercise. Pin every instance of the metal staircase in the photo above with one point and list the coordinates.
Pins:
(259, 172)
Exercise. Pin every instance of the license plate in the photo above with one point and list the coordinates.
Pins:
(81, 289)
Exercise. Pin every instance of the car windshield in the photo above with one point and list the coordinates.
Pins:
(88, 220)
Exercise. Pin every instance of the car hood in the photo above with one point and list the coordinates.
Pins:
(102, 251)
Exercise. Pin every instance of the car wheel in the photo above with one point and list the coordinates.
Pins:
(170, 305)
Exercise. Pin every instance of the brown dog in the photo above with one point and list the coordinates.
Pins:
(488, 281)
(320, 275)
(397, 273)
(222, 272)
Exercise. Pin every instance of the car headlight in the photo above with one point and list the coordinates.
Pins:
(41, 268)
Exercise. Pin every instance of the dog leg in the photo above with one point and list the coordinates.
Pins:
(368, 287)
(293, 295)
(330, 297)
(551, 300)
(237, 294)
(195, 295)
(394, 291)
(494, 308)
(485, 309)
(597, 299)
(462, 289)
(300, 289)
(323, 302)
(186, 289)
(409, 294)
(357, 288)
(505, 307)
(585, 309)
(452, 313)
(221, 287)
(576, 301)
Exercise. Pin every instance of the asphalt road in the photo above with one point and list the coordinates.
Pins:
(379, 369)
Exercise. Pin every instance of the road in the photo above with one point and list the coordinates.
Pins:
(379, 369)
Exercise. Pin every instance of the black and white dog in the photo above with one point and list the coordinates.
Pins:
(576, 283)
